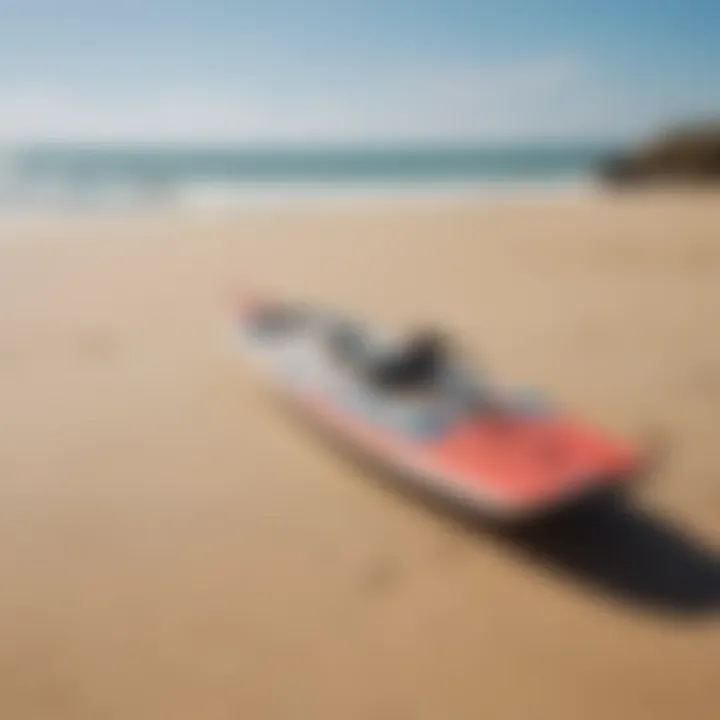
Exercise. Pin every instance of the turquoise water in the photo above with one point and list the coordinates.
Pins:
(90, 175)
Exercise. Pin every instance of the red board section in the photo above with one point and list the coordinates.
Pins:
(528, 460)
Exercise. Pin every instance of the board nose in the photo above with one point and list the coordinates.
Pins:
(248, 304)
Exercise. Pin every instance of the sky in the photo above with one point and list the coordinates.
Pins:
(346, 70)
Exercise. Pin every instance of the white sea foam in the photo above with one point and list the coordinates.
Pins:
(209, 196)
(90, 180)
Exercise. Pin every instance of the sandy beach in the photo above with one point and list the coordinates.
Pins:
(173, 546)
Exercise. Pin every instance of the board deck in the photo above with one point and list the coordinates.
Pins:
(512, 464)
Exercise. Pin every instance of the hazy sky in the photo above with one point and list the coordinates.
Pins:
(339, 69)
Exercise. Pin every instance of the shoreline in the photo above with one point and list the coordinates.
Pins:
(215, 196)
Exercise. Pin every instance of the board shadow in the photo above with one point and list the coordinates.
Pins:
(623, 549)
(607, 542)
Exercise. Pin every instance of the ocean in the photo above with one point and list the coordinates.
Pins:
(114, 177)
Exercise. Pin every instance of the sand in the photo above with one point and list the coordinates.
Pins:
(173, 546)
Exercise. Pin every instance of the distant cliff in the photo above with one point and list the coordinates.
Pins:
(687, 154)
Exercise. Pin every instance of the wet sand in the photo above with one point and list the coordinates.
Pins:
(173, 546)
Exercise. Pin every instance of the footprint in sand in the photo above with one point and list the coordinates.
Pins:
(706, 380)
(380, 577)
(7, 360)
(448, 551)
(97, 346)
